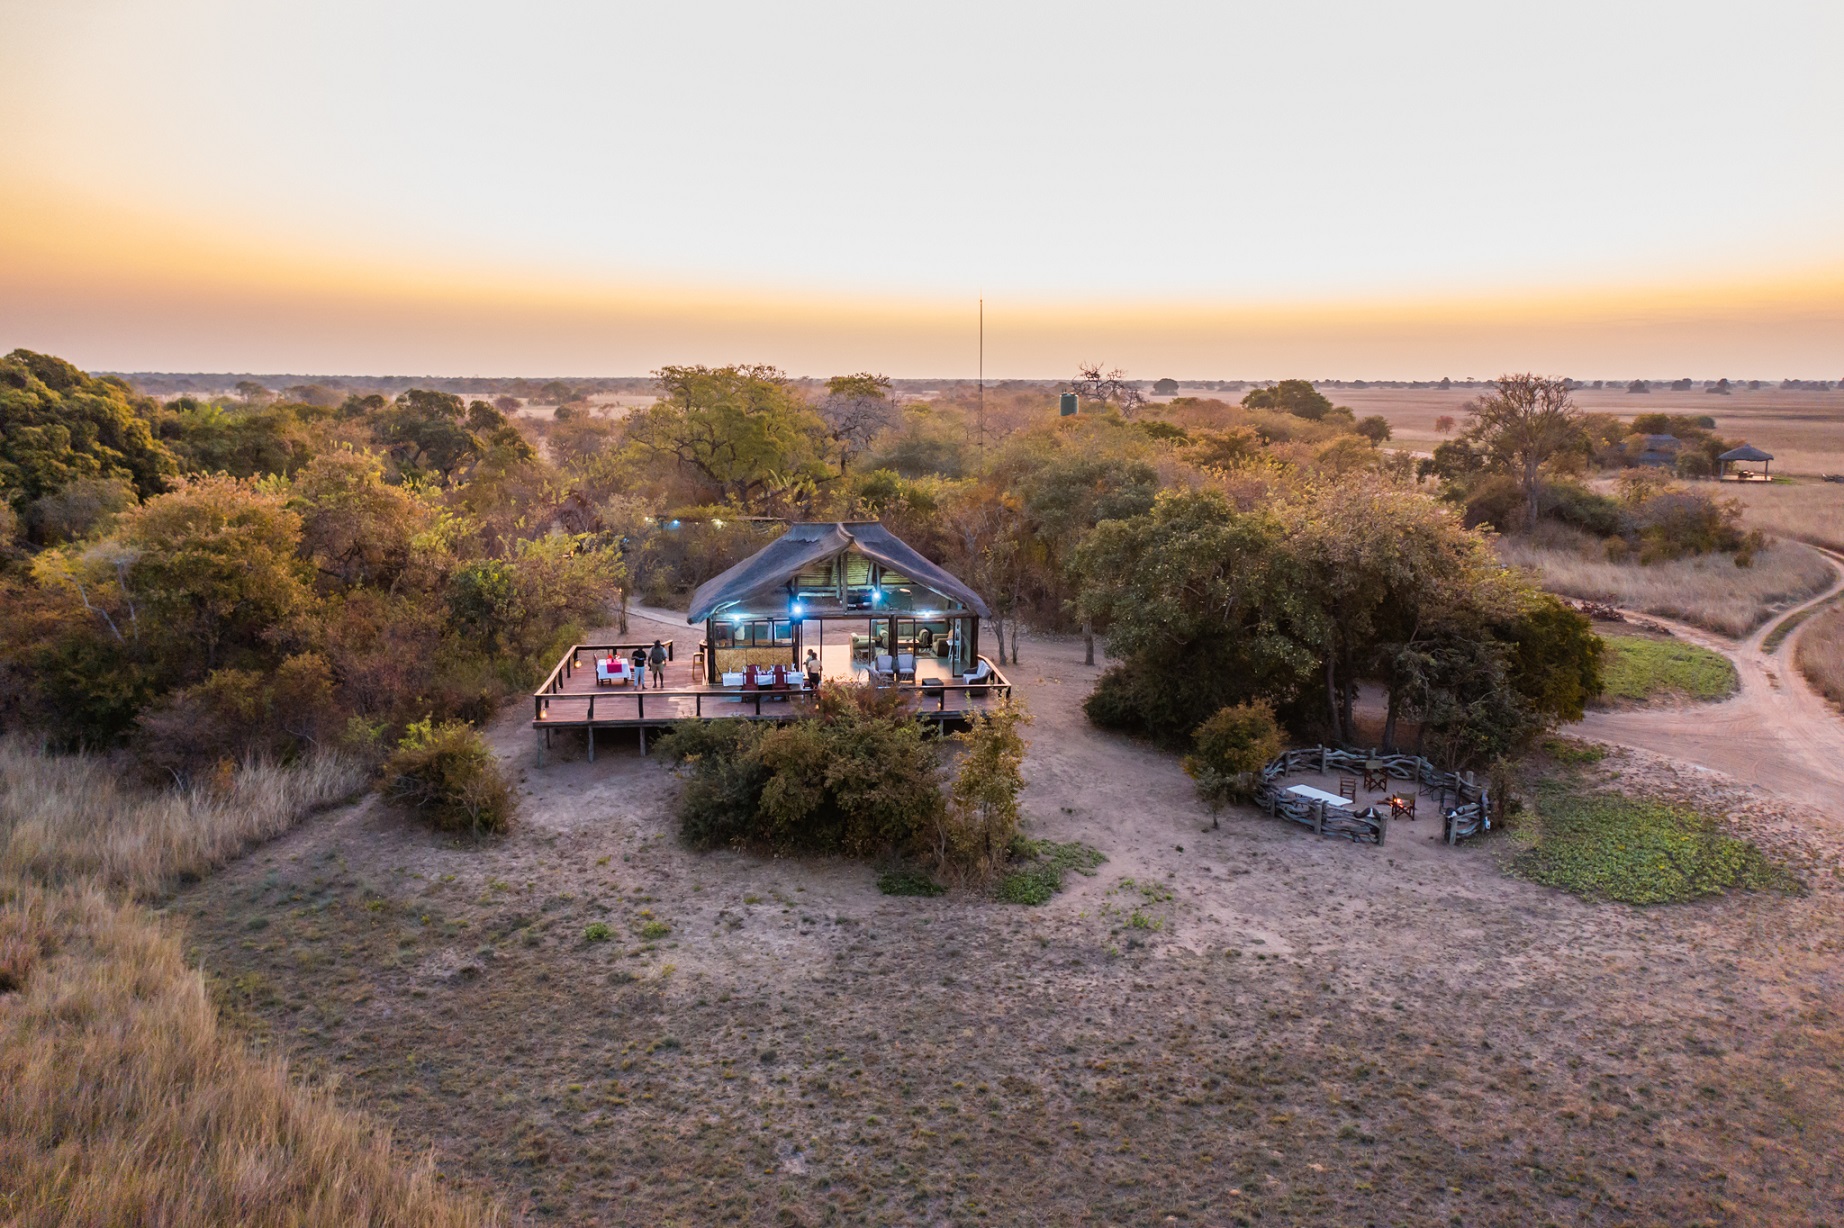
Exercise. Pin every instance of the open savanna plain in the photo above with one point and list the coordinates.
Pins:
(1223, 1025)
(1803, 429)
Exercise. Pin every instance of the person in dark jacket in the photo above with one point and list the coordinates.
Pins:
(656, 663)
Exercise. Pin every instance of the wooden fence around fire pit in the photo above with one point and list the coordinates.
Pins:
(1469, 815)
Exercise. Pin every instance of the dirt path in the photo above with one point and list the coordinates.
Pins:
(1775, 732)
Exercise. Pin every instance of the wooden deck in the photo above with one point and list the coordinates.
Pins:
(571, 699)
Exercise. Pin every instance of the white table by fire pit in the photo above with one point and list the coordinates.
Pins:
(1318, 795)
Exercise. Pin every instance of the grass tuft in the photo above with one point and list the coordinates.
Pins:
(909, 882)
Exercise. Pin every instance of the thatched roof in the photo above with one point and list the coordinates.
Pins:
(1747, 452)
(805, 545)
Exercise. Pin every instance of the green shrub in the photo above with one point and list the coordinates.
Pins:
(597, 931)
(981, 820)
(1639, 851)
(1230, 748)
(858, 778)
(447, 773)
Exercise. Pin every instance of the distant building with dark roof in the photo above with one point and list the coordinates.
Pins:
(1659, 451)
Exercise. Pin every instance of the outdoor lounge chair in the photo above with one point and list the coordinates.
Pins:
(979, 673)
(884, 667)
(905, 666)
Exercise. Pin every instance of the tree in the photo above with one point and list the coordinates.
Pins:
(741, 430)
(216, 572)
(1291, 396)
(1523, 424)
(1071, 495)
(1107, 388)
(1165, 388)
(58, 425)
(1203, 607)
(1375, 428)
(857, 409)
(974, 832)
(355, 527)
(1444, 424)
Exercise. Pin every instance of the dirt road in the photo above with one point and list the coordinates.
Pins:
(1775, 732)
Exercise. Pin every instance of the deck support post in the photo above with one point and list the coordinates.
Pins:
(543, 737)
(643, 738)
(590, 732)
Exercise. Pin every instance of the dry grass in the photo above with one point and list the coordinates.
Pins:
(123, 1100)
(1709, 592)
(75, 819)
(1805, 511)
(1820, 656)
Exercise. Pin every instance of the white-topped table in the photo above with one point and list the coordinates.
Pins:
(1318, 795)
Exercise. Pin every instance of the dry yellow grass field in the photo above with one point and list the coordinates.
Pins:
(123, 1099)
(1803, 430)
(1805, 511)
(1709, 591)
(1820, 655)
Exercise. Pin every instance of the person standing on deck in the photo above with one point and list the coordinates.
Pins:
(813, 670)
(640, 668)
(656, 662)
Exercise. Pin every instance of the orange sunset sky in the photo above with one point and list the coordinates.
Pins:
(1208, 191)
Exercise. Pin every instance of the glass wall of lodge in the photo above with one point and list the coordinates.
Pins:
(951, 638)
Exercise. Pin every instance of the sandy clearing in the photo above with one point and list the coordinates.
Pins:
(1294, 1029)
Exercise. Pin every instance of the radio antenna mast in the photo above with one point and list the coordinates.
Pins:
(982, 410)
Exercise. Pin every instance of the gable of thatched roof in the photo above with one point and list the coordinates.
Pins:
(804, 545)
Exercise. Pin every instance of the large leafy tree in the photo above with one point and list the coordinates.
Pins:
(58, 425)
(741, 432)
(856, 410)
(1203, 607)
(215, 573)
(1069, 496)
(1522, 424)
(1291, 396)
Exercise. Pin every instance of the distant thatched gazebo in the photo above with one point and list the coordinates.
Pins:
(1747, 452)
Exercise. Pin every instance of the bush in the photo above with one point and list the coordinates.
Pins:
(447, 773)
(723, 780)
(979, 824)
(857, 778)
(1229, 748)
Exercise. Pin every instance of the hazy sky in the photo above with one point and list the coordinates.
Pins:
(1194, 189)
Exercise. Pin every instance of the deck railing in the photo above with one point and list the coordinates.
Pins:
(572, 661)
(666, 705)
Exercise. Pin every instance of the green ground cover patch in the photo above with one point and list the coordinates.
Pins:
(1639, 669)
(1639, 851)
(1573, 752)
(909, 882)
(1041, 867)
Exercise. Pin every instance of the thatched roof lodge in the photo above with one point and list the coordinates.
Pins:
(774, 605)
